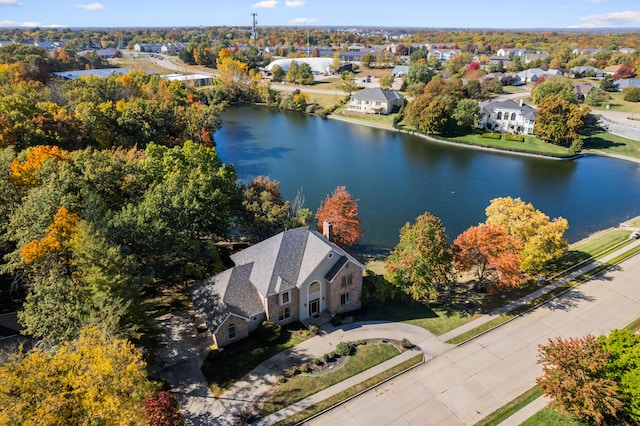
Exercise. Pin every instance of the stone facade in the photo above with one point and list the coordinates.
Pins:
(273, 307)
(336, 290)
(221, 336)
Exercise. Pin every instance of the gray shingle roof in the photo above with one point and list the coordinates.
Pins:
(525, 110)
(377, 94)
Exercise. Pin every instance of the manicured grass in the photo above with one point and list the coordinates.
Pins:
(515, 89)
(617, 103)
(300, 387)
(512, 407)
(224, 367)
(384, 120)
(550, 417)
(531, 144)
(351, 392)
(324, 100)
(635, 222)
(480, 329)
(610, 143)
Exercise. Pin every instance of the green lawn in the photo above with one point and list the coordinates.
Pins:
(511, 408)
(617, 103)
(323, 99)
(224, 367)
(635, 222)
(531, 144)
(606, 142)
(384, 120)
(352, 391)
(299, 387)
(550, 417)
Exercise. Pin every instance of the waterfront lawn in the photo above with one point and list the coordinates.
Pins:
(531, 145)
(600, 140)
(380, 120)
(225, 366)
(323, 99)
(299, 387)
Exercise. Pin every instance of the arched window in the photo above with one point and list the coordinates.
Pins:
(232, 331)
(500, 115)
(315, 286)
(513, 115)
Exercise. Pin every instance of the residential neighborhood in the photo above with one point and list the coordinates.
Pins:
(257, 213)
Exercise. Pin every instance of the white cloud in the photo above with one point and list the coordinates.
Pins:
(294, 3)
(19, 24)
(269, 4)
(90, 6)
(609, 20)
(10, 3)
(302, 21)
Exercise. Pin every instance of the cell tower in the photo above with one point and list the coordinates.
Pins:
(254, 29)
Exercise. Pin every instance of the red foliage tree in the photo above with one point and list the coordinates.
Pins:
(574, 375)
(473, 66)
(493, 254)
(624, 72)
(341, 211)
(162, 410)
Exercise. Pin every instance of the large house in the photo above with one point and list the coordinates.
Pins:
(375, 100)
(507, 117)
(295, 275)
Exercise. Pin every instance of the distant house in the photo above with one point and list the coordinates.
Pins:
(627, 50)
(582, 89)
(623, 83)
(586, 71)
(529, 57)
(532, 75)
(506, 117)
(295, 275)
(400, 70)
(98, 72)
(375, 100)
(512, 52)
(444, 55)
(589, 52)
(4, 43)
(612, 69)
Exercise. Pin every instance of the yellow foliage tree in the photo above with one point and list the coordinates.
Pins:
(543, 238)
(94, 379)
(24, 172)
(58, 234)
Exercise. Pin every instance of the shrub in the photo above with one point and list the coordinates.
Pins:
(325, 358)
(269, 331)
(631, 94)
(492, 135)
(317, 361)
(344, 349)
(515, 138)
(406, 343)
(306, 368)
(313, 329)
(282, 379)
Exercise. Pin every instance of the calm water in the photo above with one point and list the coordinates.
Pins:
(397, 177)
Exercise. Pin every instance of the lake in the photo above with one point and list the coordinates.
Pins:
(396, 177)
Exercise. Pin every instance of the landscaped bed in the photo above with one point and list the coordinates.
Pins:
(335, 369)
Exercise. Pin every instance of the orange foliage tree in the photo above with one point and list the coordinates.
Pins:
(58, 234)
(24, 172)
(492, 254)
(341, 211)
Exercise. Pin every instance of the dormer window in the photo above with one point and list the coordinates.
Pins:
(285, 297)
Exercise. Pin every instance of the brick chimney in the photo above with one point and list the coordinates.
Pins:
(327, 230)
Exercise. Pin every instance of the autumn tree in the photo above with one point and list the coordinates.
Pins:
(574, 375)
(267, 213)
(341, 211)
(465, 114)
(420, 264)
(542, 238)
(386, 81)
(559, 121)
(94, 379)
(492, 254)
(623, 72)
(348, 82)
(25, 172)
(278, 74)
(162, 409)
(560, 87)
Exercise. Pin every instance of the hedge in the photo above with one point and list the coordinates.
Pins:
(515, 138)
(489, 135)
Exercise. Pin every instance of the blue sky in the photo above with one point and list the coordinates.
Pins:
(393, 13)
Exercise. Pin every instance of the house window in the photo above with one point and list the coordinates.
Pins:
(345, 298)
(513, 115)
(232, 331)
(285, 298)
(347, 280)
(500, 115)
(284, 314)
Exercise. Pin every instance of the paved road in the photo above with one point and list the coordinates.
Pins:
(465, 384)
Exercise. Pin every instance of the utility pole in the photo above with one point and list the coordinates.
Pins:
(254, 29)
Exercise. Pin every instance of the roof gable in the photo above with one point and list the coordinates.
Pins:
(377, 94)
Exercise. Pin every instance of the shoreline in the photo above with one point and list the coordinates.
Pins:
(483, 148)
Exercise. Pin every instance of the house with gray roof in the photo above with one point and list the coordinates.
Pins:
(294, 275)
(623, 83)
(506, 117)
(375, 100)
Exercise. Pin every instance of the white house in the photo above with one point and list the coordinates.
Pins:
(375, 100)
(512, 52)
(507, 117)
(444, 55)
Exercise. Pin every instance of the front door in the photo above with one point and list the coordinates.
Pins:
(314, 307)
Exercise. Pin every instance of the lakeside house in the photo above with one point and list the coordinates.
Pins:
(507, 117)
(295, 275)
(375, 100)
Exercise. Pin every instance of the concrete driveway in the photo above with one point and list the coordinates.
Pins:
(467, 383)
